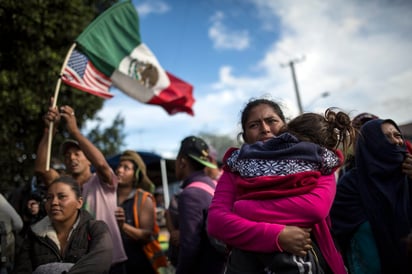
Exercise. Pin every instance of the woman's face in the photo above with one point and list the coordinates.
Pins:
(262, 124)
(392, 134)
(125, 172)
(62, 204)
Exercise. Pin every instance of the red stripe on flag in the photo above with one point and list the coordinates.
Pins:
(95, 78)
(85, 77)
(177, 97)
(89, 90)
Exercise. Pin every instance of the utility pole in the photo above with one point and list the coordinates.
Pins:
(291, 64)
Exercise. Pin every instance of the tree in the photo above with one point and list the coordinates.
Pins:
(36, 36)
(219, 142)
(110, 140)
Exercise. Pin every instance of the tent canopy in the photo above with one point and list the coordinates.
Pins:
(152, 161)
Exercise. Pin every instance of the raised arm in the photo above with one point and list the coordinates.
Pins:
(16, 221)
(47, 176)
(91, 152)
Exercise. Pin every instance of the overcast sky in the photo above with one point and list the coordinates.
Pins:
(232, 50)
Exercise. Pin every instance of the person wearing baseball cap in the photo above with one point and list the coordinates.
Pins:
(68, 143)
(197, 149)
(196, 253)
(99, 187)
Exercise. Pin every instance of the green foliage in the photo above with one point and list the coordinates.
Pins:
(219, 142)
(110, 140)
(36, 36)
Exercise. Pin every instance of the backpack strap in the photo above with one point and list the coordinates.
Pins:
(139, 199)
(204, 187)
(217, 244)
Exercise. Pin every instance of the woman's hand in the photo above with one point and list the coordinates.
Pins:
(295, 240)
(407, 165)
(120, 217)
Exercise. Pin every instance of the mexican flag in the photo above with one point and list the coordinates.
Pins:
(110, 52)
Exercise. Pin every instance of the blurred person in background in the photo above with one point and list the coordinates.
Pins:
(372, 211)
(33, 212)
(196, 254)
(133, 181)
(10, 225)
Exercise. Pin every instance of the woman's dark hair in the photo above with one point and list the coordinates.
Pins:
(245, 113)
(70, 181)
(256, 102)
(330, 130)
(141, 180)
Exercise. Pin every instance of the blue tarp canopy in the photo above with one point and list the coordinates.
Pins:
(152, 161)
(148, 157)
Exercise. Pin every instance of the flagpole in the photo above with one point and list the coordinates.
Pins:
(56, 94)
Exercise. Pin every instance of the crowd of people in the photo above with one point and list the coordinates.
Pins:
(316, 194)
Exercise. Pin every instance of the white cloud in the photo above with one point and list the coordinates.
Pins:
(359, 51)
(356, 50)
(224, 38)
(158, 7)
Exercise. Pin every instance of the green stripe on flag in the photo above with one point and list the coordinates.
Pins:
(116, 34)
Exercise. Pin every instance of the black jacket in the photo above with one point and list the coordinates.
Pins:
(196, 253)
(89, 247)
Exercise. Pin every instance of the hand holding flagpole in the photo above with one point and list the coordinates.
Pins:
(130, 66)
(56, 94)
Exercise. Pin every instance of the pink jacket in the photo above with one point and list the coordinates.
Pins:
(245, 224)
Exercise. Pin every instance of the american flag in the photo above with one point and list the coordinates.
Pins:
(81, 74)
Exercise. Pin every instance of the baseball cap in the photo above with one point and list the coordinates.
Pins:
(66, 144)
(197, 149)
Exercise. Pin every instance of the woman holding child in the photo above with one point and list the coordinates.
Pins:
(283, 228)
